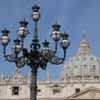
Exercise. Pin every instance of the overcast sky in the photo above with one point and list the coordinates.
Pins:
(75, 16)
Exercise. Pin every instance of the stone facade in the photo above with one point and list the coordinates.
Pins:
(80, 80)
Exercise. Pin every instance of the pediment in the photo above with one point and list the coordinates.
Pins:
(89, 93)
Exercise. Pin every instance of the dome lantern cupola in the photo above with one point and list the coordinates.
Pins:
(84, 48)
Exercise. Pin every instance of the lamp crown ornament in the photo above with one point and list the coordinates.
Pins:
(35, 8)
(56, 26)
(23, 23)
(5, 31)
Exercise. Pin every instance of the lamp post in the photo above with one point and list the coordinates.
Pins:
(35, 57)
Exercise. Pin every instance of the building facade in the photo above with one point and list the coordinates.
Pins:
(80, 80)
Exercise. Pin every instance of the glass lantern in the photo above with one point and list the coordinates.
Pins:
(5, 39)
(45, 50)
(65, 43)
(35, 13)
(17, 46)
(23, 30)
(56, 35)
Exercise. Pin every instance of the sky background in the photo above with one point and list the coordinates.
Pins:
(75, 17)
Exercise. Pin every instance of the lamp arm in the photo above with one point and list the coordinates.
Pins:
(4, 51)
(58, 60)
(56, 46)
(22, 42)
(21, 61)
(35, 35)
(64, 55)
(10, 58)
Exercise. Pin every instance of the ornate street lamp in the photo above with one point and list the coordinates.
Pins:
(36, 57)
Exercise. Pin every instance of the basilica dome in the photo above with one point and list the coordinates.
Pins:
(84, 65)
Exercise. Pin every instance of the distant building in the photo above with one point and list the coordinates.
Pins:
(80, 80)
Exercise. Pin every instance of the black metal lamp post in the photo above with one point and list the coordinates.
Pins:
(36, 57)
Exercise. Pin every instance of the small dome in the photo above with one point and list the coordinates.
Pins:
(16, 76)
(84, 64)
